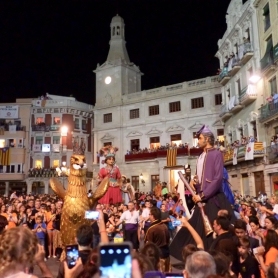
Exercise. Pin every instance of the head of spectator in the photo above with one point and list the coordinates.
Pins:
(199, 265)
(221, 225)
(251, 211)
(224, 213)
(151, 251)
(145, 264)
(3, 223)
(254, 224)
(271, 240)
(147, 204)
(243, 246)
(131, 206)
(3, 208)
(84, 236)
(155, 214)
(30, 203)
(18, 247)
(240, 228)
(221, 262)
(270, 223)
(163, 207)
(37, 204)
(188, 250)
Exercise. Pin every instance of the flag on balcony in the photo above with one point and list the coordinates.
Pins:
(235, 156)
(249, 152)
(37, 147)
(172, 157)
(5, 156)
(12, 128)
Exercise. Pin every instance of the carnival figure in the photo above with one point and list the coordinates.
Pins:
(111, 170)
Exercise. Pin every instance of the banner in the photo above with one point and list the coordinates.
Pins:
(9, 112)
(37, 147)
(5, 156)
(172, 157)
(56, 148)
(40, 102)
(12, 128)
(235, 157)
(249, 153)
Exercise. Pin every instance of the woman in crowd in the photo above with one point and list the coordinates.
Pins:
(22, 217)
(11, 217)
(50, 216)
(18, 247)
(270, 223)
(271, 251)
(256, 230)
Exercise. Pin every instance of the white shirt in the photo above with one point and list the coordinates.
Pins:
(200, 164)
(146, 213)
(130, 217)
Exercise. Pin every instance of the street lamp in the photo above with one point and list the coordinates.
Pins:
(142, 180)
(63, 172)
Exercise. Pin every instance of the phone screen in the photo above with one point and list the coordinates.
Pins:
(91, 214)
(72, 255)
(115, 260)
(176, 223)
(173, 275)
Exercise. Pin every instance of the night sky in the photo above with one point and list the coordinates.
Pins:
(53, 46)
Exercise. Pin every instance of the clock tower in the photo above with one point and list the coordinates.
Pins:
(117, 76)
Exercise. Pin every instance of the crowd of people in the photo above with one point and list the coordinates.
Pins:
(248, 248)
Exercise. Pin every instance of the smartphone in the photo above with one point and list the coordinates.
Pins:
(115, 260)
(176, 223)
(154, 274)
(173, 275)
(91, 214)
(72, 255)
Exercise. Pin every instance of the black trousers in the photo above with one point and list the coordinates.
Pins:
(132, 236)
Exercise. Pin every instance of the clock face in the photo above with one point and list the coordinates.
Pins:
(107, 80)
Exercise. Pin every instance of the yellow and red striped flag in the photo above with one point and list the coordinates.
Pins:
(172, 157)
(5, 156)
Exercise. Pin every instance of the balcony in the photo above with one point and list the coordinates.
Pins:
(162, 154)
(224, 76)
(45, 128)
(12, 176)
(245, 52)
(267, 63)
(247, 95)
(15, 131)
(228, 156)
(225, 113)
(272, 153)
(54, 148)
(234, 66)
(234, 105)
(269, 111)
(42, 173)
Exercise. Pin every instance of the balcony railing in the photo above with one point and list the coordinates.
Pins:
(267, 62)
(247, 95)
(45, 128)
(42, 173)
(6, 127)
(258, 152)
(269, 110)
(224, 77)
(245, 52)
(225, 114)
(56, 148)
(272, 153)
(162, 154)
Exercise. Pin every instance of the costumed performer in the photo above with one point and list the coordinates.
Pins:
(113, 194)
(208, 186)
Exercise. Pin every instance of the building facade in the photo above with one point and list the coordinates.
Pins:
(14, 142)
(143, 124)
(267, 15)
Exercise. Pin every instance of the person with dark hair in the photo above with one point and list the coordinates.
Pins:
(271, 250)
(207, 184)
(248, 265)
(221, 262)
(151, 251)
(240, 232)
(159, 235)
(3, 223)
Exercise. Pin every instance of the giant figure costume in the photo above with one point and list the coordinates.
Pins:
(113, 194)
(210, 176)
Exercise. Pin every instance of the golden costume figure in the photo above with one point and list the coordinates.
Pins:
(75, 198)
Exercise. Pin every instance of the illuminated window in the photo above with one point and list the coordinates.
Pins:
(2, 143)
(55, 163)
(154, 142)
(39, 120)
(56, 120)
(38, 163)
(176, 139)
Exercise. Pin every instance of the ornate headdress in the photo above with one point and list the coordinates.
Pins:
(204, 130)
(108, 151)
